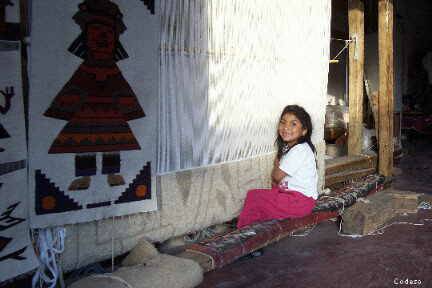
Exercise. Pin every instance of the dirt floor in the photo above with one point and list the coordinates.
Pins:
(400, 257)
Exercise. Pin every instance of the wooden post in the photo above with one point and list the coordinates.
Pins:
(385, 90)
(356, 72)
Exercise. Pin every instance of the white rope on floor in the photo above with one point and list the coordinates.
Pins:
(380, 231)
(306, 231)
(49, 243)
(113, 277)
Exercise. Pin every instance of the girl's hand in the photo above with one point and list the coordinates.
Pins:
(276, 162)
(277, 175)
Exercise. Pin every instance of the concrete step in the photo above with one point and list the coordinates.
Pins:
(344, 169)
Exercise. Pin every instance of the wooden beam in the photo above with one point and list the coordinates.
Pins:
(385, 89)
(356, 72)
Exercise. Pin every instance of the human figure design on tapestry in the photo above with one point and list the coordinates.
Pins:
(7, 93)
(97, 101)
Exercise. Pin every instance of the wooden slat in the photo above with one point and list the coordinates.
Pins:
(346, 163)
(356, 72)
(385, 94)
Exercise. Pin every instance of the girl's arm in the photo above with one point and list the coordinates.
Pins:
(277, 174)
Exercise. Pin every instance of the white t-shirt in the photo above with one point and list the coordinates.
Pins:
(299, 163)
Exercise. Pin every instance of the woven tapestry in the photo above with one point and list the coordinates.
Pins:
(16, 251)
(93, 103)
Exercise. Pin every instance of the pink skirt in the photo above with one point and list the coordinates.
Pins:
(267, 204)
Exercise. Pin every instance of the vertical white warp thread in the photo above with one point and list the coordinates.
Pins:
(228, 67)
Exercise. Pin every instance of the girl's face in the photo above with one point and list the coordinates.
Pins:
(290, 129)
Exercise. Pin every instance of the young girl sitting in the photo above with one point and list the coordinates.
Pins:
(294, 175)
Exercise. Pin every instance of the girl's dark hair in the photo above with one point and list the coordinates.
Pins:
(306, 122)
